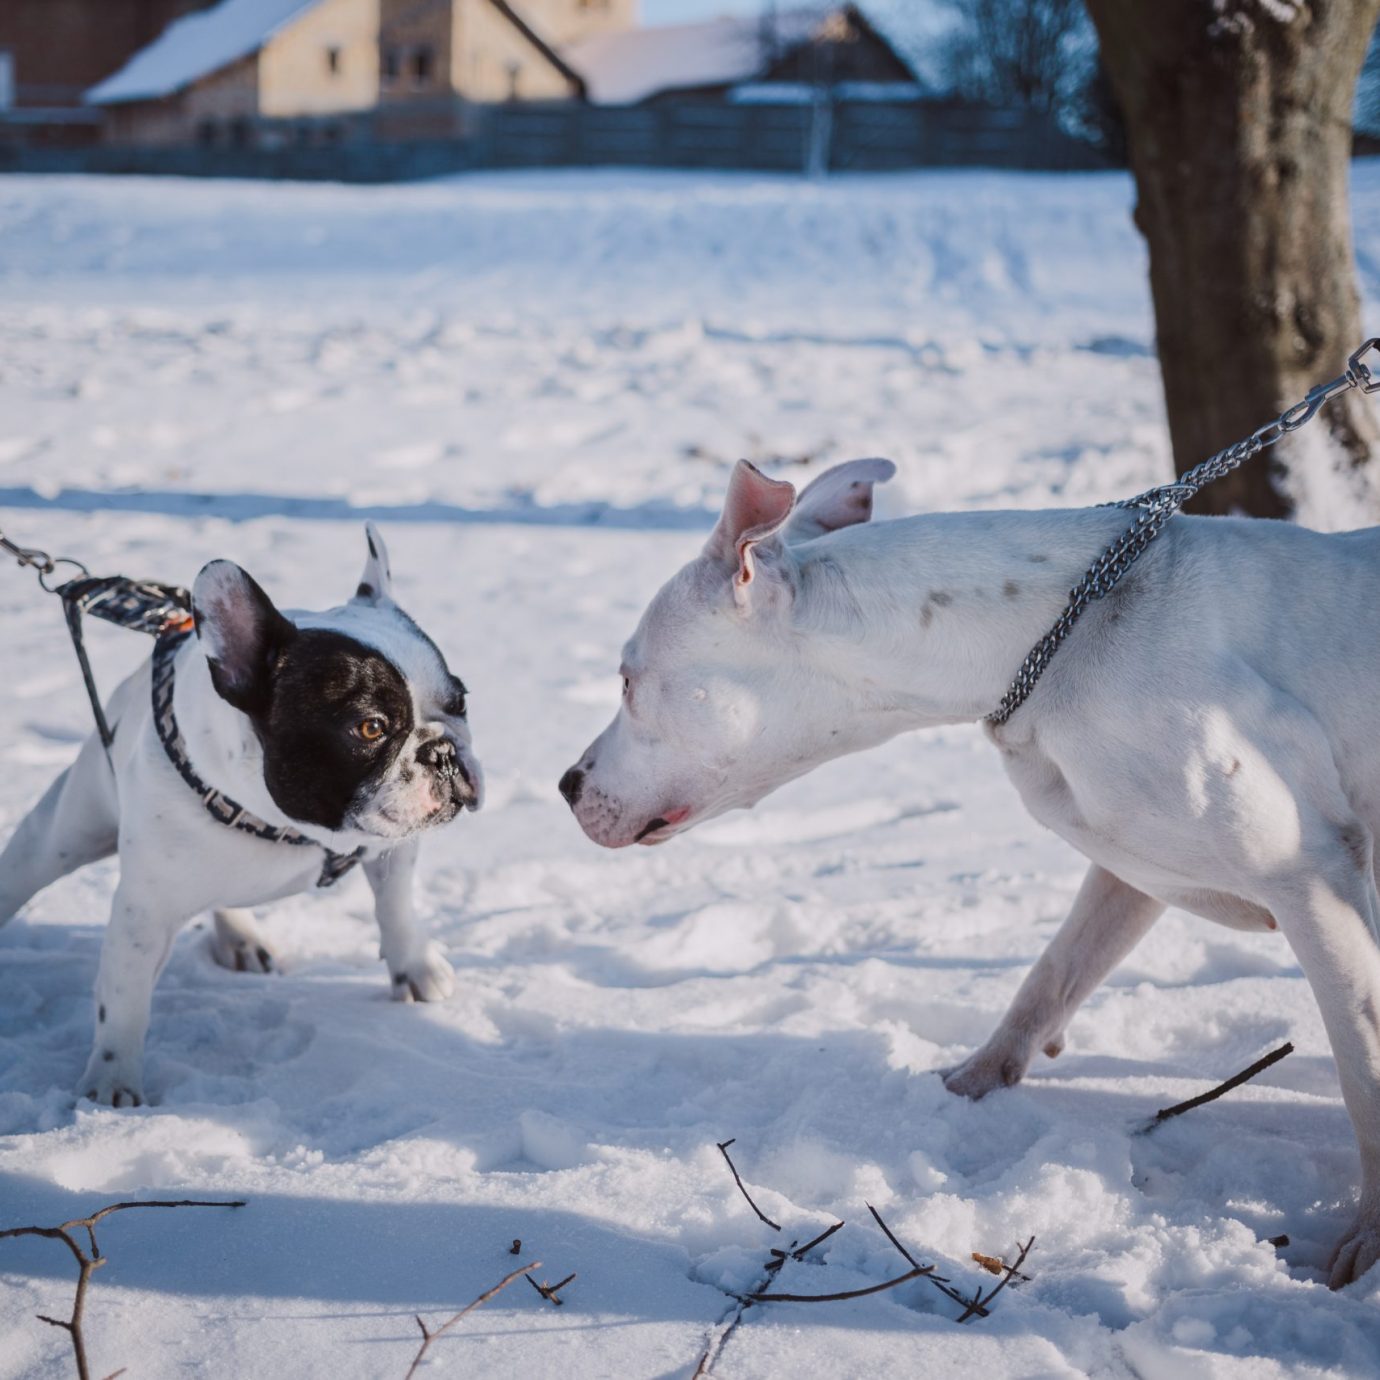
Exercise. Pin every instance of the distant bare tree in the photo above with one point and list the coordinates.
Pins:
(1018, 52)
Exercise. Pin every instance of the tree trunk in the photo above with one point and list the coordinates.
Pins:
(1239, 120)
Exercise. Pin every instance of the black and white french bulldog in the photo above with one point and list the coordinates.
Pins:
(260, 757)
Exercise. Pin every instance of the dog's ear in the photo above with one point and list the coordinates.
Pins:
(241, 633)
(755, 511)
(376, 584)
(838, 498)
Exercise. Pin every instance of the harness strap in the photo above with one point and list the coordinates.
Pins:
(218, 805)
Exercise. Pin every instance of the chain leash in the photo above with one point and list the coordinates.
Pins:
(1157, 506)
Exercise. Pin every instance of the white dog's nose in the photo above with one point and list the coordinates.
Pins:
(570, 786)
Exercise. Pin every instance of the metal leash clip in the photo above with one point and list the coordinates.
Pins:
(1365, 376)
(39, 560)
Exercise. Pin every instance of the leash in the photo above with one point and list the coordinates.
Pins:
(1158, 505)
(163, 612)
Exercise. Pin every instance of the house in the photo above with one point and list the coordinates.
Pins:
(217, 75)
(264, 72)
(52, 51)
(780, 56)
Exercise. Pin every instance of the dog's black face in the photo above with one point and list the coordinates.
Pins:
(353, 739)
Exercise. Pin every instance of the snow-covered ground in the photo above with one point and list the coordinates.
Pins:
(537, 385)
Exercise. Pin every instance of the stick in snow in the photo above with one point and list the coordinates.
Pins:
(737, 1179)
(428, 1336)
(550, 1291)
(1213, 1094)
(88, 1264)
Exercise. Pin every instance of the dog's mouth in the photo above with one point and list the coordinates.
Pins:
(663, 827)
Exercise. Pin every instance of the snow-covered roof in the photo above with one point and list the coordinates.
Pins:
(628, 66)
(195, 46)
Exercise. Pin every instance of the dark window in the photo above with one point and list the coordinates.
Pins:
(423, 61)
(391, 64)
(241, 133)
(333, 61)
(514, 74)
(207, 133)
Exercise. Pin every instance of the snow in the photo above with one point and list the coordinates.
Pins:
(537, 385)
(195, 46)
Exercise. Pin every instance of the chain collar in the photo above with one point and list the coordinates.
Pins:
(1157, 506)
(218, 805)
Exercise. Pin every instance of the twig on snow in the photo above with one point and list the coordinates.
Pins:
(88, 1264)
(738, 1179)
(981, 1305)
(995, 1265)
(550, 1291)
(916, 1273)
(801, 1252)
(429, 1335)
(1213, 1094)
(939, 1281)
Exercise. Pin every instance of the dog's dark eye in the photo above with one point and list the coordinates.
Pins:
(456, 706)
(627, 687)
(371, 729)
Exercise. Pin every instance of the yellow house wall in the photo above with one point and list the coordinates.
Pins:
(295, 76)
(564, 21)
(486, 45)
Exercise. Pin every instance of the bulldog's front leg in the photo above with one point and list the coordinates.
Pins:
(418, 968)
(1108, 919)
(137, 943)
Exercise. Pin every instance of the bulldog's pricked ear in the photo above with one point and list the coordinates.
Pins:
(840, 497)
(241, 633)
(376, 584)
(755, 509)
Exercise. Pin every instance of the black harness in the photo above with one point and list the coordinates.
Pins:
(165, 613)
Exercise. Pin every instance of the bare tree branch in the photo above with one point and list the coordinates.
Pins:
(88, 1264)
(429, 1336)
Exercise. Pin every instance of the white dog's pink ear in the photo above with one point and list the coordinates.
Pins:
(840, 497)
(376, 584)
(755, 509)
(241, 633)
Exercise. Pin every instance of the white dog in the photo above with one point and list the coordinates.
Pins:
(255, 760)
(1209, 736)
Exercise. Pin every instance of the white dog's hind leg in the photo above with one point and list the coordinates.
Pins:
(418, 968)
(137, 943)
(75, 823)
(1327, 916)
(1108, 919)
(238, 943)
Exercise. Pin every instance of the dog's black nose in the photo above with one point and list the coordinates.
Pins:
(439, 754)
(571, 784)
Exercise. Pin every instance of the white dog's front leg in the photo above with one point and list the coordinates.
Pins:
(1108, 919)
(1326, 918)
(137, 943)
(416, 964)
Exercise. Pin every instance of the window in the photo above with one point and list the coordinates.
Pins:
(207, 133)
(514, 70)
(241, 133)
(391, 64)
(423, 61)
(333, 61)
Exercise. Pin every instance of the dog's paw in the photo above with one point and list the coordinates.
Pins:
(427, 977)
(984, 1072)
(238, 944)
(110, 1081)
(1357, 1251)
